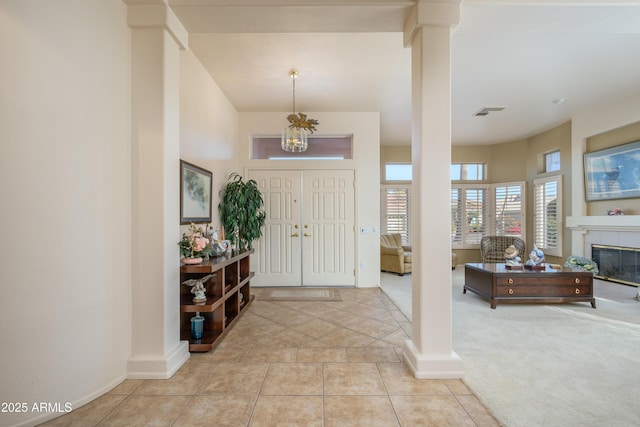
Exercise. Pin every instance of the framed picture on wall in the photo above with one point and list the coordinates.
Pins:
(195, 194)
(613, 173)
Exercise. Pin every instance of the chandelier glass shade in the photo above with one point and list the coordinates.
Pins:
(294, 137)
(294, 140)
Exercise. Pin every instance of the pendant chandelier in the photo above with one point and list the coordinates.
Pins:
(294, 137)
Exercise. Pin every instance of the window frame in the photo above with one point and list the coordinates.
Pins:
(463, 166)
(546, 156)
(464, 225)
(406, 235)
(490, 211)
(539, 235)
(523, 209)
(386, 178)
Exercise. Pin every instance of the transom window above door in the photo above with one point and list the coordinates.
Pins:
(320, 148)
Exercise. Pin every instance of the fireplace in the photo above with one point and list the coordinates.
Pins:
(617, 264)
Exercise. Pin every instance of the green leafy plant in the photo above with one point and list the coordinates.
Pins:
(242, 210)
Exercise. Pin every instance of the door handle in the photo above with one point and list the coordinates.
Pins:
(295, 235)
(307, 234)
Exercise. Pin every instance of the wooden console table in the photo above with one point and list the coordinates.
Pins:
(502, 285)
(228, 295)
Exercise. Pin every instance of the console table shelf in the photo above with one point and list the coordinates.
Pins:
(228, 295)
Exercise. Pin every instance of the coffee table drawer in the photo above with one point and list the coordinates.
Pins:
(544, 290)
(515, 280)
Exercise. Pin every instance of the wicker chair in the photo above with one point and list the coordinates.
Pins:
(492, 247)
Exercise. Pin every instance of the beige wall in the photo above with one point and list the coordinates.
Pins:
(609, 139)
(208, 127)
(393, 154)
(65, 180)
(558, 138)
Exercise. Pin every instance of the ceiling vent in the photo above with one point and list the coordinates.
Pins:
(486, 110)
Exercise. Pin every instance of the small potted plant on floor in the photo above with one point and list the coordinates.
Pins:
(242, 210)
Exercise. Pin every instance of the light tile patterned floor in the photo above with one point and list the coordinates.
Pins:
(325, 364)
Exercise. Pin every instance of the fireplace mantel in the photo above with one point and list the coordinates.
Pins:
(612, 222)
(616, 230)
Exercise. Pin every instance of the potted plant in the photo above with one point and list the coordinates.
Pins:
(242, 210)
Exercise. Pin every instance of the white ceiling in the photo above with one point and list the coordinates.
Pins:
(521, 55)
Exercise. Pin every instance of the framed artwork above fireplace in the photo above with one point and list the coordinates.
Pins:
(613, 173)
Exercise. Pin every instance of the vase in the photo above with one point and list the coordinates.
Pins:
(192, 260)
(197, 326)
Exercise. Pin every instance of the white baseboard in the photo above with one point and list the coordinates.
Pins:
(427, 366)
(158, 367)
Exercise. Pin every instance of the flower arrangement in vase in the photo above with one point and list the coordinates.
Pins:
(582, 263)
(195, 244)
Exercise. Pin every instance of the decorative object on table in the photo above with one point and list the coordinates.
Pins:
(612, 173)
(195, 244)
(219, 245)
(615, 211)
(195, 194)
(197, 326)
(536, 257)
(294, 137)
(511, 257)
(582, 263)
(197, 288)
(242, 209)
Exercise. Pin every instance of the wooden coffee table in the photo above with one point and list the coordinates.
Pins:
(502, 285)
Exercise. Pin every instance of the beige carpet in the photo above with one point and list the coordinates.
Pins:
(297, 294)
(549, 365)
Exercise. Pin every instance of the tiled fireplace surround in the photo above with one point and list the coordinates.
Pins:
(621, 231)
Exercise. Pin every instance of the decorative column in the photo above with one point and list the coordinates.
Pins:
(428, 31)
(157, 37)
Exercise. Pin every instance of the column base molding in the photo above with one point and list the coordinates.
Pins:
(428, 366)
(158, 368)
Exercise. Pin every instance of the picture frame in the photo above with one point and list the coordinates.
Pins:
(195, 194)
(612, 173)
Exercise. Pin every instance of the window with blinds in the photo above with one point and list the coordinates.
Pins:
(469, 215)
(483, 210)
(547, 214)
(394, 211)
(508, 210)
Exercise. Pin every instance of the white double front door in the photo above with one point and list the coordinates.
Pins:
(309, 234)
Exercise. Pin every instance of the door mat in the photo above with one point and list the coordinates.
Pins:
(297, 294)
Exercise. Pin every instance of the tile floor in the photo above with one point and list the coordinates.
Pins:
(296, 364)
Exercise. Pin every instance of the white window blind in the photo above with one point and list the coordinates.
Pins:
(394, 211)
(508, 210)
(457, 213)
(547, 211)
(469, 215)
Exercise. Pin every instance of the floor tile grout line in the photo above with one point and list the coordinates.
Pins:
(183, 409)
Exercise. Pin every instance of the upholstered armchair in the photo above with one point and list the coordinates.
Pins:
(492, 248)
(394, 257)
